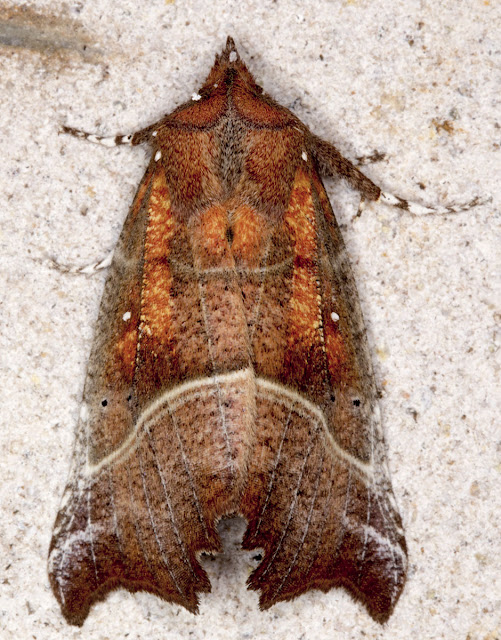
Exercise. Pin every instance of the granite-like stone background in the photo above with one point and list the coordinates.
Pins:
(417, 80)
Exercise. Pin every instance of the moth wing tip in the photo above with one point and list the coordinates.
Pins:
(75, 613)
(378, 604)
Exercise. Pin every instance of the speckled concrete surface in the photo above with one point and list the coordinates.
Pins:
(418, 81)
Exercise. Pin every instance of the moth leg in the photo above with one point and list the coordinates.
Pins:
(375, 156)
(333, 164)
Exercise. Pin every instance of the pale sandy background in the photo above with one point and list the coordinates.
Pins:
(417, 80)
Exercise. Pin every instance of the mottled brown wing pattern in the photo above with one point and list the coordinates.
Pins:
(317, 499)
(230, 374)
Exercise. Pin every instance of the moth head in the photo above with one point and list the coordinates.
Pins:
(228, 69)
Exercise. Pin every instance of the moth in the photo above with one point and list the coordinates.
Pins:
(230, 373)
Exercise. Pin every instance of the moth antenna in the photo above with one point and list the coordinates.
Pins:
(105, 141)
(422, 210)
(416, 209)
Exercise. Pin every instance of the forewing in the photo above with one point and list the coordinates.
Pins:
(318, 499)
(131, 514)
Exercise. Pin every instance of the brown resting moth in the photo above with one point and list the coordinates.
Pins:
(230, 373)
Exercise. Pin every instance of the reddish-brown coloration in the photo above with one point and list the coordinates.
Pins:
(230, 374)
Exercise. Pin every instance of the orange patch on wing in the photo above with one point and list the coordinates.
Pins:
(208, 234)
(126, 350)
(250, 236)
(305, 303)
(156, 304)
(339, 356)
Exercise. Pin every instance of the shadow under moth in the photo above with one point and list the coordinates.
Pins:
(230, 373)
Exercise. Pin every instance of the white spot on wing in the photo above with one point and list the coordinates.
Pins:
(158, 155)
(334, 316)
(233, 56)
(196, 97)
(304, 155)
(126, 316)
